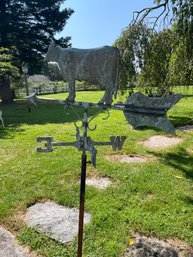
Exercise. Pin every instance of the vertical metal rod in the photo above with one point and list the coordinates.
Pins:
(26, 84)
(27, 91)
(82, 184)
(82, 200)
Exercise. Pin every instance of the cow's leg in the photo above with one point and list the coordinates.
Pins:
(71, 95)
(107, 98)
(102, 101)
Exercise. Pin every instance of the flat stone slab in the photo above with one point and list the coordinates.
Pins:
(158, 142)
(9, 246)
(55, 221)
(101, 183)
(142, 246)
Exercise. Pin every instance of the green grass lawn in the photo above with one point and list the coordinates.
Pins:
(154, 199)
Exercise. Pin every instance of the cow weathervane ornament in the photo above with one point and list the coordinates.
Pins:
(99, 66)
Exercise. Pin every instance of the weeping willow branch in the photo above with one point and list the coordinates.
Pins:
(139, 16)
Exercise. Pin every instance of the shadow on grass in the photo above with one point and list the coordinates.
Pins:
(182, 160)
(180, 120)
(15, 115)
(9, 132)
(188, 200)
(187, 96)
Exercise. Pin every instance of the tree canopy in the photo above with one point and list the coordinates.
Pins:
(29, 26)
(7, 68)
(154, 55)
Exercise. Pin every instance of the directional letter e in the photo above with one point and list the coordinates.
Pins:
(48, 144)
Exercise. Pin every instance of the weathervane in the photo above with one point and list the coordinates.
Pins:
(139, 110)
(100, 66)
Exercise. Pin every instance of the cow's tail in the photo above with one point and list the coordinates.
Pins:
(117, 73)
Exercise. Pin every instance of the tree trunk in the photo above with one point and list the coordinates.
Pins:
(7, 96)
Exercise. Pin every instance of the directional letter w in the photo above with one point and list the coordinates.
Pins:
(117, 142)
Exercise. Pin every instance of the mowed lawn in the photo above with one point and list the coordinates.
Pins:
(153, 198)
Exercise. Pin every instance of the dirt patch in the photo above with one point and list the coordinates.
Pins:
(183, 249)
(189, 150)
(10, 248)
(124, 158)
(99, 182)
(158, 142)
(55, 221)
(149, 197)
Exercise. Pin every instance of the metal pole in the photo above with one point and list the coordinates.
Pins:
(82, 200)
(82, 184)
(26, 85)
(27, 90)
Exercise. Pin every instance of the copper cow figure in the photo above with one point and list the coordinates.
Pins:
(97, 66)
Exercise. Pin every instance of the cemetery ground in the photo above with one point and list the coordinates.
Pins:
(152, 198)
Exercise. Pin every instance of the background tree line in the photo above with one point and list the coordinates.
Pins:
(26, 30)
(150, 57)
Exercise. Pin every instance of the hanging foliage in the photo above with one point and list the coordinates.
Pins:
(159, 59)
(154, 75)
(132, 43)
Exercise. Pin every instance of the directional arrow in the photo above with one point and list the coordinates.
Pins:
(141, 110)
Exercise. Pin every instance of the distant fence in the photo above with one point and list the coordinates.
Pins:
(62, 87)
(54, 88)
